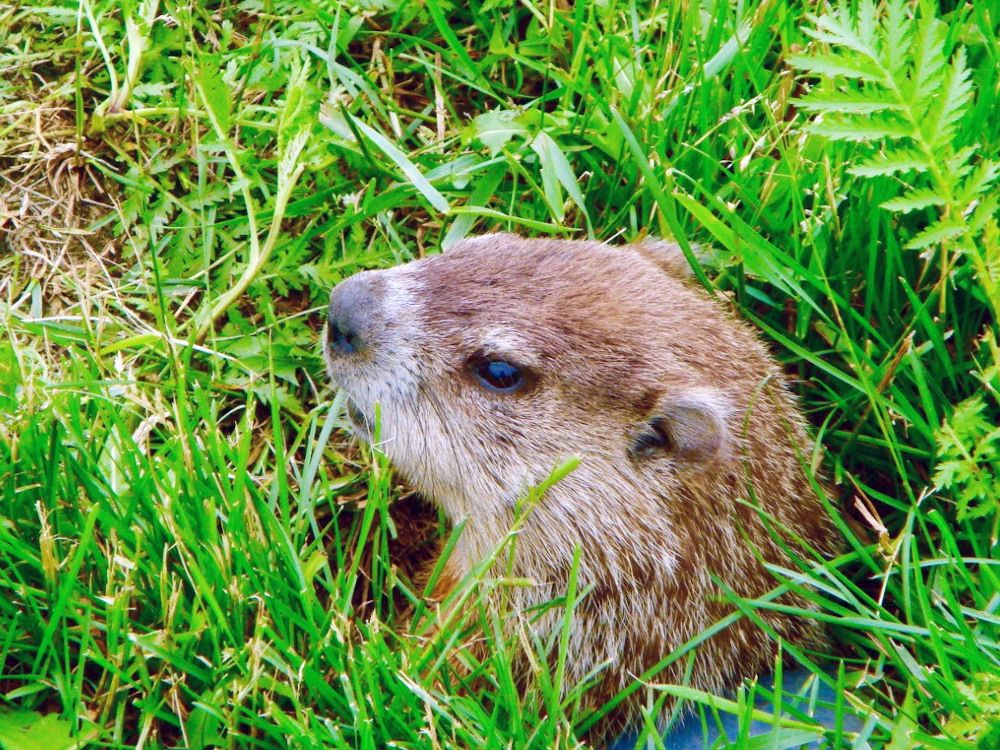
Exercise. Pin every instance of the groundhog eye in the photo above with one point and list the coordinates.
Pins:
(498, 375)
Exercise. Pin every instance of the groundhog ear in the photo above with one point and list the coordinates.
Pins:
(689, 426)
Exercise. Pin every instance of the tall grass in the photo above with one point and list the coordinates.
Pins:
(191, 552)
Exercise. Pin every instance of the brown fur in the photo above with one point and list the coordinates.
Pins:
(614, 339)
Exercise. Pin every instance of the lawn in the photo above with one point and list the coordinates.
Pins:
(194, 553)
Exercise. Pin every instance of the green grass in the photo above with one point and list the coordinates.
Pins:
(192, 553)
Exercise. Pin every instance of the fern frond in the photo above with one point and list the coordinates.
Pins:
(939, 126)
(913, 200)
(892, 162)
(853, 102)
(860, 129)
(940, 231)
(890, 79)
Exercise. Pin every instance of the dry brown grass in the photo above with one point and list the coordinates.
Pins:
(51, 198)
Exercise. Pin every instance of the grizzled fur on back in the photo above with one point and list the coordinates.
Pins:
(686, 433)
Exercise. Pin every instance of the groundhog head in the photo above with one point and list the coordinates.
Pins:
(495, 363)
(489, 366)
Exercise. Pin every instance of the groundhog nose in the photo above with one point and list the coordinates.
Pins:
(352, 315)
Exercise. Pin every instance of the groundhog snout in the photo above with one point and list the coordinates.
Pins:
(354, 316)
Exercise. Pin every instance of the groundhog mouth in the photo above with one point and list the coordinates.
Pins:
(360, 423)
(354, 413)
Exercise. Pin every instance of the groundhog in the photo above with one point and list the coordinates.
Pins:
(496, 362)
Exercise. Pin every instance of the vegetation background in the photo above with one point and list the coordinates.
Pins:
(191, 552)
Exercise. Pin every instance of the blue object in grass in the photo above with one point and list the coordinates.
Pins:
(803, 695)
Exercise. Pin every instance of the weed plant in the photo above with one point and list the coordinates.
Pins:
(193, 554)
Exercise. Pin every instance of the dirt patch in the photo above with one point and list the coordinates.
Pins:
(52, 200)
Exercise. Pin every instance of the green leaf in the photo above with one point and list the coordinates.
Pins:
(27, 730)
(413, 174)
(958, 164)
(786, 732)
(984, 214)
(939, 126)
(831, 64)
(913, 200)
(500, 216)
(849, 102)
(867, 29)
(836, 28)
(898, 37)
(891, 162)
(926, 79)
(556, 171)
(903, 730)
(718, 62)
(939, 231)
(299, 109)
(969, 458)
(215, 96)
(984, 175)
(748, 247)
(454, 43)
(10, 378)
(485, 188)
(495, 129)
(859, 129)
